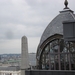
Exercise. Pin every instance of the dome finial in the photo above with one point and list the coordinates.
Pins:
(66, 4)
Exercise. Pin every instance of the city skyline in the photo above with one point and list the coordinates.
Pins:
(26, 17)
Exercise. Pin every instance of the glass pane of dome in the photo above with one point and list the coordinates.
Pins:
(54, 46)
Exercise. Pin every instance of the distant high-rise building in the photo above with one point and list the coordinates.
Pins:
(0, 57)
(24, 55)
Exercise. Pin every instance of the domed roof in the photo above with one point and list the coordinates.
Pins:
(56, 26)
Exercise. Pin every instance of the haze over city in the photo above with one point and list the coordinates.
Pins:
(26, 17)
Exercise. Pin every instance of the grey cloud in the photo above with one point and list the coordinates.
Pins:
(9, 34)
(35, 13)
(27, 17)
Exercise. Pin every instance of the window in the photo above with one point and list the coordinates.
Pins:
(58, 55)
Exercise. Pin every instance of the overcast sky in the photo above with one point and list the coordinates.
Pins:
(26, 17)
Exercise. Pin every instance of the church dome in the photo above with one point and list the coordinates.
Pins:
(52, 49)
(56, 26)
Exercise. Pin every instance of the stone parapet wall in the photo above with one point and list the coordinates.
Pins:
(48, 72)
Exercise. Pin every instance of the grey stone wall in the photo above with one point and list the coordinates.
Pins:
(47, 72)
